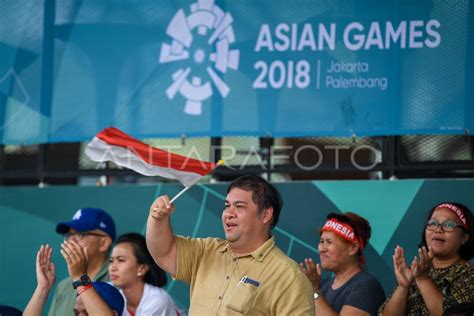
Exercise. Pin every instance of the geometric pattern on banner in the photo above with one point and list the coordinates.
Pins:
(22, 255)
(431, 193)
(306, 202)
(387, 204)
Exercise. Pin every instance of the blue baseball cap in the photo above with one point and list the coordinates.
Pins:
(86, 219)
(110, 295)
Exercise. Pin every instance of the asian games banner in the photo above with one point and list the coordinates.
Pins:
(215, 68)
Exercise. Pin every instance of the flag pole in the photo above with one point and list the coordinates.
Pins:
(219, 163)
(179, 194)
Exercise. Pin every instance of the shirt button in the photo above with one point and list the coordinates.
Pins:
(220, 298)
(235, 259)
(227, 277)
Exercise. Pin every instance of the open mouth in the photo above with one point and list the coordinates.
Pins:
(438, 240)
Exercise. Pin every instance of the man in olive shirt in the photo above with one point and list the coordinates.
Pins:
(244, 274)
(93, 229)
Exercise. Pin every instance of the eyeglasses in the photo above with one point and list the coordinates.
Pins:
(80, 235)
(449, 226)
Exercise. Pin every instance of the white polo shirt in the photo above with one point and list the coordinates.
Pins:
(154, 302)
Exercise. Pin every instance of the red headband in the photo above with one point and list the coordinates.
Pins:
(459, 213)
(344, 230)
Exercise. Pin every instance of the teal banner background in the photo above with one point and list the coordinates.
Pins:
(214, 68)
(395, 209)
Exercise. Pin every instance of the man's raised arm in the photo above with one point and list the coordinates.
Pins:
(159, 234)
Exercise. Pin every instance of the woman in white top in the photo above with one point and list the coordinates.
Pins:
(140, 280)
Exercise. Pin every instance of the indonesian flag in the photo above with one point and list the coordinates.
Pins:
(111, 144)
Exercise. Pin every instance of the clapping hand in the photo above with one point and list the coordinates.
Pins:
(403, 273)
(423, 263)
(45, 270)
(419, 268)
(76, 258)
(313, 272)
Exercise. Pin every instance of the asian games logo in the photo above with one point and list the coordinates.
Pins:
(200, 43)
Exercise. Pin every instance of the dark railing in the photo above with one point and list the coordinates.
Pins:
(45, 166)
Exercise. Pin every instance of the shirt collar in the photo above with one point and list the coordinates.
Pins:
(258, 254)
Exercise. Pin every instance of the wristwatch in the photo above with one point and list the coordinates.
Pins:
(83, 281)
(316, 295)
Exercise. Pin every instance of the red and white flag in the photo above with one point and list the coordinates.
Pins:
(111, 144)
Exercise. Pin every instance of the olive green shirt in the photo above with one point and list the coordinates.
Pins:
(264, 282)
(64, 298)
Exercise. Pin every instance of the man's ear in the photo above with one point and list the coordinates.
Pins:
(105, 243)
(267, 215)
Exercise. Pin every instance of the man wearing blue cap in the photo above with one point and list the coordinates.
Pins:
(94, 230)
(107, 293)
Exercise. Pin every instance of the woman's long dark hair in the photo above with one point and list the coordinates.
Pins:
(467, 249)
(155, 275)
